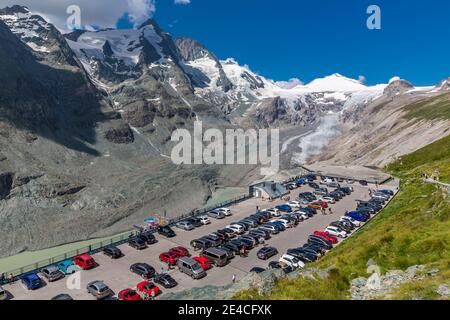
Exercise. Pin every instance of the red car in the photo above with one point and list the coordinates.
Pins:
(148, 289)
(180, 252)
(129, 295)
(85, 261)
(326, 236)
(205, 263)
(171, 258)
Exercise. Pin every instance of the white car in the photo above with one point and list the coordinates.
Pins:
(350, 219)
(302, 214)
(350, 181)
(294, 204)
(291, 261)
(225, 211)
(204, 220)
(328, 200)
(336, 232)
(285, 223)
(273, 212)
(236, 228)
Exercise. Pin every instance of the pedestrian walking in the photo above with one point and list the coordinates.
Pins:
(2, 279)
(257, 208)
(233, 278)
(324, 212)
(330, 210)
(10, 278)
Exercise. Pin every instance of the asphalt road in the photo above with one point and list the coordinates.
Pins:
(116, 274)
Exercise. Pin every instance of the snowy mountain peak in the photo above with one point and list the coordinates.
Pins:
(335, 82)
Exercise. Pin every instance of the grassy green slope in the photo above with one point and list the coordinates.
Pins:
(430, 109)
(413, 229)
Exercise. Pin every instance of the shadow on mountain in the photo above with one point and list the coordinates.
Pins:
(55, 103)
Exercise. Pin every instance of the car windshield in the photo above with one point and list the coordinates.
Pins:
(196, 267)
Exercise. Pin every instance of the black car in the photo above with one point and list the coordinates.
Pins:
(257, 270)
(230, 252)
(196, 222)
(62, 296)
(260, 233)
(214, 239)
(201, 244)
(137, 243)
(248, 243)
(166, 231)
(345, 190)
(321, 242)
(143, 270)
(363, 182)
(148, 237)
(165, 280)
(250, 223)
(113, 252)
(368, 210)
(266, 253)
(235, 248)
(341, 225)
(302, 255)
(316, 249)
(313, 185)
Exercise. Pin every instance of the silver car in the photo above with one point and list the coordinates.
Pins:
(99, 290)
(185, 225)
(52, 273)
(216, 214)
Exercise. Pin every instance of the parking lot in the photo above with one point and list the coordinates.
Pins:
(116, 273)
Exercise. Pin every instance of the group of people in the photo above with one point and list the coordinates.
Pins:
(324, 211)
(6, 279)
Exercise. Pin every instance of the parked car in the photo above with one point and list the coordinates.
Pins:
(270, 227)
(180, 251)
(143, 270)
(321, 191)
(216, 214)
(196, 222)
(351, 220)
(148, 289)
(113, 252)
(205, 263)
(280, 226)
(326, 236)
(129, 295)
(214, 239)
(31, 281)
(284, 208)
(205, 220)
(170, 258)
(267, 253)
(337, 232)
(85, 261)
(388, 192)
(328, 199)
(185, 225)
(148, 237)
(229, 232)
(294, 204)
(314, 206)
(239, 229)
(166, 231)
(257, 270)
(344, 226)
(320, 242)
(218, 257)
(363, 182)
(137, 243)
(165, 280)
(52, 273)
(274, 212)
(230, 252)
(99, 290)
(250, 222)
(62, 297)
(226, 211)
(201, 244)
(67, 266)
(191, 267)
(302, 255)
(291, 261)
(358, 216)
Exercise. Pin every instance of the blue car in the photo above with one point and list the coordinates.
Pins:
(388, 192)
(67, 266)
(280, 227)
(358, 216)
(300, 182)
(31, 281)
(284, 208)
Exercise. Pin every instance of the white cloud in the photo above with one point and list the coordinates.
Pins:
(362, 79)
(182, 1)
(103, 13)
(292, 83)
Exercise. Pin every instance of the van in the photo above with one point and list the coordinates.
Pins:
(217, 256)
(191, 267)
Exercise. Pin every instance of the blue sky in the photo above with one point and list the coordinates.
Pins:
(308, 39)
